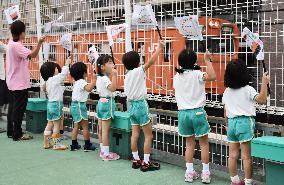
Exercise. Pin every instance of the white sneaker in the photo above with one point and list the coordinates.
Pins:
(189, 177)
(206, 177)
(59, 146)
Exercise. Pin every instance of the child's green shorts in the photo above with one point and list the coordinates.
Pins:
(240, 129)
(106, 108)
(139, 112)
(193, 122)
(54, 110)
(79, 111)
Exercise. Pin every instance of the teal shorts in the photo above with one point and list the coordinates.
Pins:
(193, 122)
(106, 108)
(240, 129)
(139, 112)
(54, 110)
(79, 111)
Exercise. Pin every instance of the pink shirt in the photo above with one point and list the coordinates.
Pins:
(17, 66)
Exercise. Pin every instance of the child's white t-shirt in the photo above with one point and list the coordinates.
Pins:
(189, 89)
(240, 102)
(135, 84)
(79, 93)
(54, 87)
(102, 84)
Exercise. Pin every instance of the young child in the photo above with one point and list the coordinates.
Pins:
(18, 79)
(239, 99)
(189, 85)
(81, 91)
(51, 73)
(136, 91)
(106, 105)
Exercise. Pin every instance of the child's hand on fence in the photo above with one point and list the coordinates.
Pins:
(41, 40)
(207, 56)
(161, 45)
(265, 78)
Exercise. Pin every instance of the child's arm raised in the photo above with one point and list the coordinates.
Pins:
(112, 87)
(35, 51)
(262, 97)
(210, 72)
(61, 76)
(89, 87)
(154, 56)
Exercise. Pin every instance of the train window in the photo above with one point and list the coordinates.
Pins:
(141, 51)
(214, 45)
(197, 46)
(167, 51)
(52, 53)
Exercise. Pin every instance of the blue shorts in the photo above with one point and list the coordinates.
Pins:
(193, 122)
(79, 111)
(54, 110)
(106, 108)
(139, 112)
(240, 129)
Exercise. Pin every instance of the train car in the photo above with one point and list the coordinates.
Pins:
(221, 37)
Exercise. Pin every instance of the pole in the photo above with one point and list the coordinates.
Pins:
(127, 7)
(38, 30)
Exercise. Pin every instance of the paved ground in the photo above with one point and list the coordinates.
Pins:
(26, 163)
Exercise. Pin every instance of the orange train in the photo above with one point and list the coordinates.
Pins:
(221, 37)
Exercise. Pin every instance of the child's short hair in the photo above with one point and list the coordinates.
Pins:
(236, 74)
(78, 70)
(131, 60)
(47, 70)
(101, 61)
(17, 28)
(186, 60)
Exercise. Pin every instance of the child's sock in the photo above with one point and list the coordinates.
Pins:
(205, 167)
(74, 142)
(146, 158)
(87, 142)
(189, 167)
(235, 179)
(106, 150)
(61, 132)
(135, 156)
(248, 181)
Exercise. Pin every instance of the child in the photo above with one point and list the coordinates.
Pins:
(51, 73)
(136, 91)
(239, 99)
(81, 91)
(106, 105)
(18, 79)
(189, 85)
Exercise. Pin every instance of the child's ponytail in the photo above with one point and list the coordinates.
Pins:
(179, 70)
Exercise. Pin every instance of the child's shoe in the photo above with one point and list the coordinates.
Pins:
(59, 146)
(136, 164)
(206, 177)
(242, 182)
(151, 166)
(101, 154)
(46, 142)
(110, 157)
(189, 177)
(89, 148)
(75, 147)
